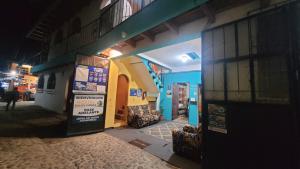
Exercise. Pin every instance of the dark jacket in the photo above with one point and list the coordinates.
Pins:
(12, 95)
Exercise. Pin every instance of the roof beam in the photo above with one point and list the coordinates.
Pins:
(147, 35)
(209, 12)
(35, 37)
(39, 31)
(130, 42)
(172, 27)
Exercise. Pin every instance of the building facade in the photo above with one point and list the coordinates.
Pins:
(253, 97)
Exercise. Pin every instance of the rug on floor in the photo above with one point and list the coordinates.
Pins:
(163, 130)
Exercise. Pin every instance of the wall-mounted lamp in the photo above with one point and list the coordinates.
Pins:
(114, 53)
(123, 34)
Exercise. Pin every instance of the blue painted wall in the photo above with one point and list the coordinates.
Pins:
(193, 78)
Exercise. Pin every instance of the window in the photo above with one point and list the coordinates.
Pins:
(247, 60)
(58, 37)
(51, 81)
(270, 67)
(41, 82)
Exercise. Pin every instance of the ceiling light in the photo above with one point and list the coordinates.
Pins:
(114, 53)
(123, 34)
(184, 58)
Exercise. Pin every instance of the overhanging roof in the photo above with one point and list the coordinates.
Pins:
(158, 12)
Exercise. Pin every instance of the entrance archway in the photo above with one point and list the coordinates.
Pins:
(122, 97)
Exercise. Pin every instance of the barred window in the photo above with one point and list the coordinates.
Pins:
(247, 60)
(41, 82)
(51, 81)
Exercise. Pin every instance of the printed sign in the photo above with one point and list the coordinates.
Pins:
(90, 79)
(87, 108)
(217, 118)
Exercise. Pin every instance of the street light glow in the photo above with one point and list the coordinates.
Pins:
(13, 73)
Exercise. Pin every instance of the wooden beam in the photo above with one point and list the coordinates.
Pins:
(209, 12)
(147, 35)
(39, 31)
(130, 42)
(35, 37)
(37, 34)
(172, 27)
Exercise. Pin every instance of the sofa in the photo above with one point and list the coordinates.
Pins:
(188, 142)
(141, 115)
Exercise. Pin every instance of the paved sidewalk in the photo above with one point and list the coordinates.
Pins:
(29, 120)
(31, 137)
(96, 151)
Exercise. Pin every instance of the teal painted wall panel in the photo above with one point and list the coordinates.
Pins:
(194, 79)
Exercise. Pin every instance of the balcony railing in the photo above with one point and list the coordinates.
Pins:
(111, 16)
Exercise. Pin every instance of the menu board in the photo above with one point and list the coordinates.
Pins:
(88, 97)
(90, 80)
(87, 108)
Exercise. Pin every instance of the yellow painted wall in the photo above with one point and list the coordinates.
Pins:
(118, 67)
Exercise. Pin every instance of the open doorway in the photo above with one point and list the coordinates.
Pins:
(179, 98)
(180, 101)
(121, 99)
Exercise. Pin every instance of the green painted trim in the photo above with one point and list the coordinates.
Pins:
(67, 59)
(156, 13)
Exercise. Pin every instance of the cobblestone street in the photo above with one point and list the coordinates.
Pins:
(23, 145)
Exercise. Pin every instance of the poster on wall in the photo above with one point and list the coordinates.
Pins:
(90, 79)
(133, 92)
(139, 93)
(217, 118)
(87, 108)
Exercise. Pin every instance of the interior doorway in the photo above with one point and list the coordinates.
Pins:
(122, 99)
(180, 101)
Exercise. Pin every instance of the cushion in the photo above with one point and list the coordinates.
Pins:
(145, 109)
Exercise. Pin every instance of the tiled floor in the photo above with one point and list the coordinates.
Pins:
(163, 130)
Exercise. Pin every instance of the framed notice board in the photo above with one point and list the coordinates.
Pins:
(88, 95)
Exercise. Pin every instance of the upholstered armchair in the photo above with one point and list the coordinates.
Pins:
(140, 116)
(188, 142)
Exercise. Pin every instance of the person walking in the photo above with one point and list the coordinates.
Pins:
(12, 96)
(2, 92)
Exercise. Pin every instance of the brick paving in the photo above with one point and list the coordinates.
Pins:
(26, 143)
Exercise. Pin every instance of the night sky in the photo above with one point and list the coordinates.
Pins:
(17, 17)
